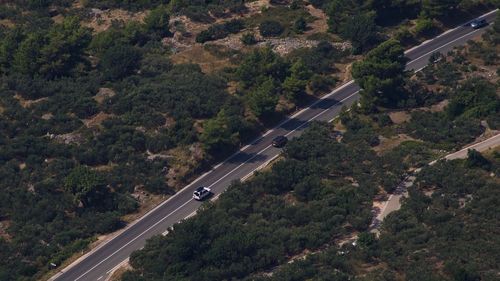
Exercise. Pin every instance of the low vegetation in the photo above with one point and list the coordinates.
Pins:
(320, 193)
(95, 121)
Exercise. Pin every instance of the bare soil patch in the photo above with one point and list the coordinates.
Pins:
(118, 273)
(103, 94)
(256, 6)
(27, 103)
(399, 117)
(4, 225)
(97, 119)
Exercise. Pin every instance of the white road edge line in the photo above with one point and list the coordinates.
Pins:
(265, 134)
(442, 46)
(135, 238)
(197, 179)
(117, 266)
(448, 31)
(193, 213)
(476, 144)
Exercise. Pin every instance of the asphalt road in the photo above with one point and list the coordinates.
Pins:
(99, 263)
(481, 146)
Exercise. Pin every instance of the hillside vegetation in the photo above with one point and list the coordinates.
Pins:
(102, 115)
(293, 221)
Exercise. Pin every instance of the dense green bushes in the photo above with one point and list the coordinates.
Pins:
(302, 203)
(63, 182)
(248, 39)
(119, 61)
(157, 21)
(270, 28)
(129, 5)
(219, 31)
(437, 128)
(52, 53)
(459, 123)
(454, 225)
(381, 75)
(265, 76)
(361, 22)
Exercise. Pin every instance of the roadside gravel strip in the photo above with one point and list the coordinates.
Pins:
(99, 263)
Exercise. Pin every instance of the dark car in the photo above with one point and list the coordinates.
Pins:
(279, 141)
(478, 23)
(201, 193)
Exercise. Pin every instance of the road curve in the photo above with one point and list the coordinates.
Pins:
(99, 263)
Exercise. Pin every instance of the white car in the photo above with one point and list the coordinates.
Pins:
(201, 193)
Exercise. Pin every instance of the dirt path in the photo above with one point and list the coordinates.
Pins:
(393, 203)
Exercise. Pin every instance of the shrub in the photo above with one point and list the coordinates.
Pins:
(198, 14)
(318, 3)
(119, 61)
(300, 25)
(270, 28)
(157, 21)
(248, 39)
(404, 35)
(321, 84)
(219, 31)
(424, 27)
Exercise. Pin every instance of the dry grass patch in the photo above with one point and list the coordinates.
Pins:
(338, 126)
(387, 144)
(185, 30)
(344, 72)
(198, 55)
(284, 105)
(147, 202)
(319, 25)
(184, 161)
(104, 168)
(399, 117)
(7, 23)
